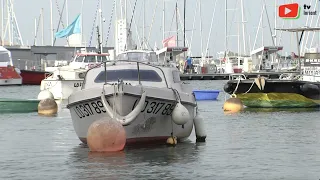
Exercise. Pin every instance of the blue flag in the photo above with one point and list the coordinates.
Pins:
(73, 28)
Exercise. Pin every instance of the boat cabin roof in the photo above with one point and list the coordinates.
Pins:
(90, 57)
(138, 55)
(270, 49)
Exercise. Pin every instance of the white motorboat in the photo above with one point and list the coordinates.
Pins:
(145, 95)
(9, 75)
(67, 79)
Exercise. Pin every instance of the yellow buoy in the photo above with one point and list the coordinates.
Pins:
(172, 141)
(47, 107)
(106, 135)
(233, 105)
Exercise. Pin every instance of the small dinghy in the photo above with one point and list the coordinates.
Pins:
(8, 105)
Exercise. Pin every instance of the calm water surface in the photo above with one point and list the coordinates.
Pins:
(254, 144)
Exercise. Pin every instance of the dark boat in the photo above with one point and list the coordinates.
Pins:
(275, 93)
(300, 90)
(32, 77)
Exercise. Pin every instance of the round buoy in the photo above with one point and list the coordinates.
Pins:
(106, 135)
(172, 141)
(45, 94)
(233, 105)
(47, 107)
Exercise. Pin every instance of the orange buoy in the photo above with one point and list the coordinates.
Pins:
(106, 135)
(233, 105)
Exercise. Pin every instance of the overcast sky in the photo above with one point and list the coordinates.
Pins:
(27, 11)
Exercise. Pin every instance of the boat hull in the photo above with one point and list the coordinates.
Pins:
(32, 77)
(152, 124)
(61, 89)
(276, 93)
(9, 76)
(18, 105)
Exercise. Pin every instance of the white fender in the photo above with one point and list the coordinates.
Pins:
(124, 120)
(199, 128)
(180, 114)
(257, 81)
(263, 83)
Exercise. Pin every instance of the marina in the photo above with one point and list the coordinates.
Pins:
(248, 145)
(162, 89)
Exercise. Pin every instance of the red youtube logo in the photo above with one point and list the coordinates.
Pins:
(289, 11)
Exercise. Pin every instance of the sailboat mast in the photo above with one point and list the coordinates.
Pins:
(42, 27)
(101, 26)
(81, 38)
(275, 22)
(225, 30)
(177, 26)
(2, 22)
(143, 23)
(51, 22)
(243, 28)
(163, 19)
(184, 23)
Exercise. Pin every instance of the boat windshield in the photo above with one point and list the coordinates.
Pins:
(138, 56)
(4, 57)
(128, 75)
(90, 58)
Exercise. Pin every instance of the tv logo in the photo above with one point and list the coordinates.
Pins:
(292, 11)
(289, 11)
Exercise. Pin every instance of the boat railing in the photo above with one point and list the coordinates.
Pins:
(46, 75)
(237, 76)
(111, 63)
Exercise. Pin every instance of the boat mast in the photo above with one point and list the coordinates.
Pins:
(177, 26)
(163, 19)
(81, 37)
(225, 30)
(143, 22)
(184, 24)
(243, 28)
(275, 22)
(2, 19)
(42, 27)
(101, 26)
(51, 22)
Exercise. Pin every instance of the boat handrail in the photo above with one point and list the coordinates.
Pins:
(111, 63)
(48, 74)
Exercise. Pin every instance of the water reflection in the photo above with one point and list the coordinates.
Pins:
(143, 159)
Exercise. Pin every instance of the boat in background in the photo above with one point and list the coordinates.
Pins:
(67, 79)
(32, 77)
(9, 105)
(9, 75)
(294, 90)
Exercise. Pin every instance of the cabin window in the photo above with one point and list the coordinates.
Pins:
(128, 75)
(176, 76)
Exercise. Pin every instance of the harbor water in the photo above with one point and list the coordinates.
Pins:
(254, 144)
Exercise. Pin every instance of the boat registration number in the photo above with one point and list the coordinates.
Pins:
(154, 107)
(150, 107)
(89, 109)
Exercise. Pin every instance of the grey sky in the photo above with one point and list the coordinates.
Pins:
(27, 11)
